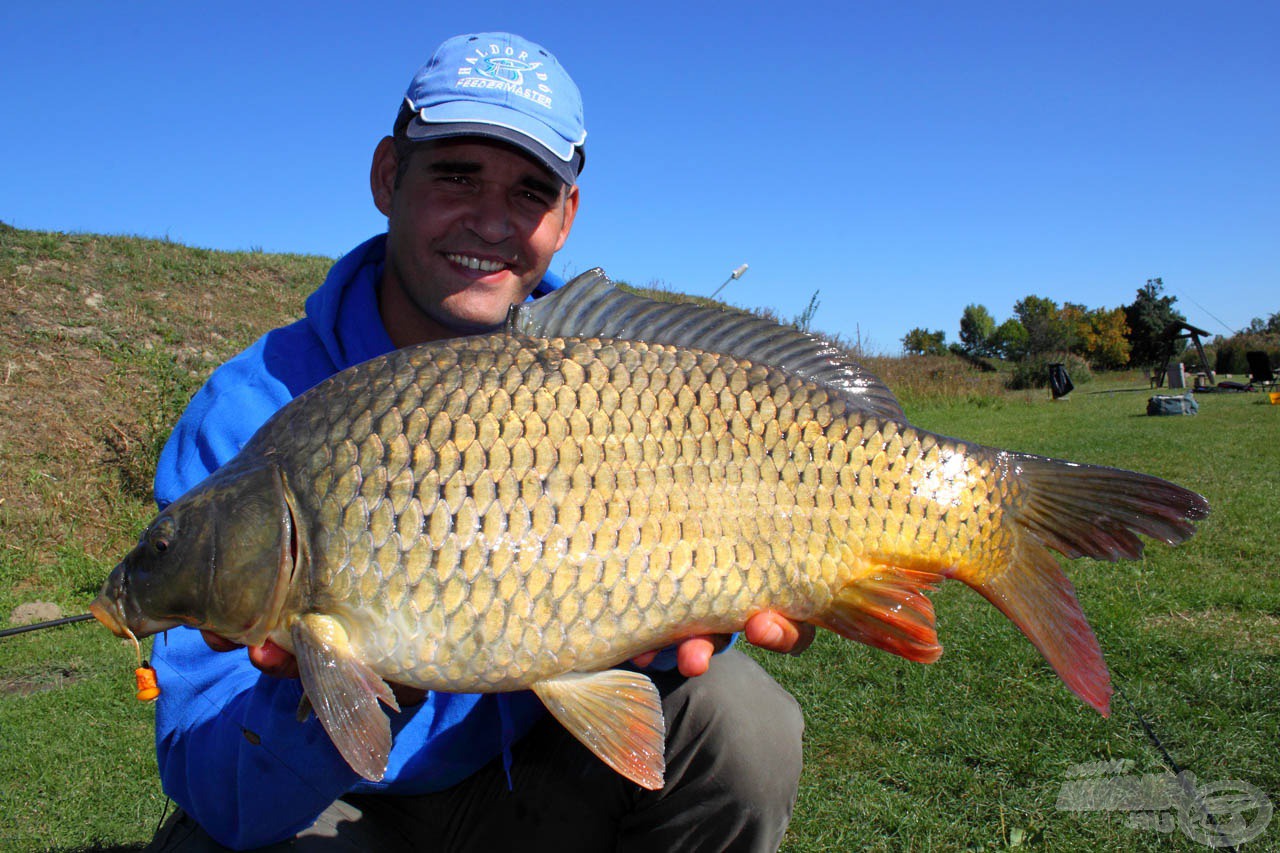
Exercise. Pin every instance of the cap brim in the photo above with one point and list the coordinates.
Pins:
(566, 170)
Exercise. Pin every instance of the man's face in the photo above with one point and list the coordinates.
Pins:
(471, 229)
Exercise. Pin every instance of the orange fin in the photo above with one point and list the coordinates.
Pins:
(617, 715)
(888, 610)
(1037, 597)
(344, 693)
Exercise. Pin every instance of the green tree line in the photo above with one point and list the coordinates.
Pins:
(1104, 338)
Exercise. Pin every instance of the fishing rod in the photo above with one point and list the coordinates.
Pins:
(52, 623)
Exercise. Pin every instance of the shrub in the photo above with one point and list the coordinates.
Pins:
(1033, 372)
(1228, 354)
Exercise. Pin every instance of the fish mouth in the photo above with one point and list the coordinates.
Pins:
(108, 612)
(111, 613)
(117, 610)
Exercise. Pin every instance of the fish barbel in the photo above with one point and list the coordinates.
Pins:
(525, 510)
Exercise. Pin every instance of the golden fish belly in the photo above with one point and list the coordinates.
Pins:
(510, 508)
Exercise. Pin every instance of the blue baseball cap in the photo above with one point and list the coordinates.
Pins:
(500, 86)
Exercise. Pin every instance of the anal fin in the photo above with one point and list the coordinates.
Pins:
(888, 610)
(344, 693)
(617, 715)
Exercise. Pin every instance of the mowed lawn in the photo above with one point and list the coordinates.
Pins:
(968, 753)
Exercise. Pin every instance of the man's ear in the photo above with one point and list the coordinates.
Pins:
(382, 174)
(570, 211)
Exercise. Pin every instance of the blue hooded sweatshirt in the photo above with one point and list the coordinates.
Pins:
(230, 749)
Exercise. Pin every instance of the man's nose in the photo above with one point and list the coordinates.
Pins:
(491, 216)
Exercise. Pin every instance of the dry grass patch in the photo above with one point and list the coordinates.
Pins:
(1246, 632)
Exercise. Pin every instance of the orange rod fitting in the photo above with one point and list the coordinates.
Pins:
(148, 688)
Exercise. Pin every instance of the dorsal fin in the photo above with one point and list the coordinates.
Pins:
(591, 306)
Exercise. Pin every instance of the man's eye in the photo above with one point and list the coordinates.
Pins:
(531, 197)
(455, 180)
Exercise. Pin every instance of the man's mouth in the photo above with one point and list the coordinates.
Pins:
(479, 264)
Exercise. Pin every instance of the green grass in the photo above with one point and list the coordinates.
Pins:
(968, 753)
(75, 753)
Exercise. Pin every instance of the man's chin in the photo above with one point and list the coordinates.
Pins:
(471, 320)
(482, 307)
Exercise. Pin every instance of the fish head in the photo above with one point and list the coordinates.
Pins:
(220, 558)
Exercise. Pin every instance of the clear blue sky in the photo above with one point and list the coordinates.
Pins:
(904, 159)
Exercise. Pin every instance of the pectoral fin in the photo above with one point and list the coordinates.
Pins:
(617, 715)
(344, 693)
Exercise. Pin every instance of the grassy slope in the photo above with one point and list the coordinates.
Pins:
(101, 339)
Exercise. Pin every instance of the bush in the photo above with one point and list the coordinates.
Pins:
(1228, 354)
(1033, 372)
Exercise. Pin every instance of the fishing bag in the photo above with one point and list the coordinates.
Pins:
(1162, 405)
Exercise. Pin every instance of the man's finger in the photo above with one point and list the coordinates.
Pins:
(777, 633)
(217, 643)
(693, 656)
(274, 660)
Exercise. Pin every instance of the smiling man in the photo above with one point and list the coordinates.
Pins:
(479, 184)
(473, 224)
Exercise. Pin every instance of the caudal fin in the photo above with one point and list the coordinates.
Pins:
(1079, 511)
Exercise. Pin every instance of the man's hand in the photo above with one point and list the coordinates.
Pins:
(767, 629)
(279, 663)
(268, 657)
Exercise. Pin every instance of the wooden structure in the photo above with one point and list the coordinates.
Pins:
(1175, 332)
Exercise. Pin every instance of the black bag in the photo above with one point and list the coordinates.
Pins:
(1059, 381)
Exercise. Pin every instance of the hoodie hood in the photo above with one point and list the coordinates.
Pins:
(343, 312)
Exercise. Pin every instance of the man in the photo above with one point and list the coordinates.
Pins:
(479, 186)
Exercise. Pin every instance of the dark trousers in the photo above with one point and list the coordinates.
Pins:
(733, 768)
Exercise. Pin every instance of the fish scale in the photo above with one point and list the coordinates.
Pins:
(678, 465)
(509, 512)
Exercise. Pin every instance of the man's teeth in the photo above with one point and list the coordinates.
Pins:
(477, 263)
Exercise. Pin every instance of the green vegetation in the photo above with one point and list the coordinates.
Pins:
(1033, 371)
(101, 339)
(1091, 339)
(1228, 355)
(1147, 318)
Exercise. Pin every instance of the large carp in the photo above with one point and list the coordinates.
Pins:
(526, 510)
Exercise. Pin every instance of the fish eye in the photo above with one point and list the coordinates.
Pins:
(161, 534)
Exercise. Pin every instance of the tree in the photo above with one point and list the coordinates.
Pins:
(1074, 319)
(1148, 317)
(923, 342)
(1104, 338)
(1257, 326)
(976, 329)
(1040, 317)
(1009, 340)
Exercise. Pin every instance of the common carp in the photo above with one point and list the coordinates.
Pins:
(530, 508)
